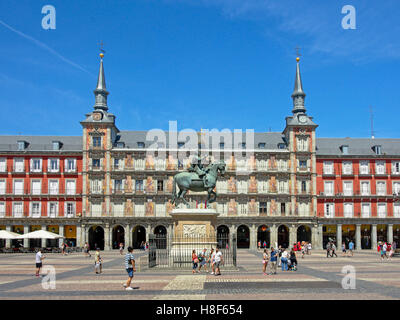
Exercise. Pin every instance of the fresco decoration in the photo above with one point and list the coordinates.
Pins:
(170, 184)
(169, 207)
(128, 208)
(128, 184)
(129, 161)
(273, 207)
(273, 163)
(149, 212)
(272, 184)
(150, 185)
(149, 165)
(252, 163)
(232, 185)
(171, 163)
(231, 164)
(103, 209)
(253, 185)
(232, 208)
(252, 207)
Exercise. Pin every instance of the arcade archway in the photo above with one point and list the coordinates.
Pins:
(161, 237)
(303, 234)
(222, 236)
(138, 236)
(96, 238)
(118, 236)
(366, 236)
(283, 236)
(263, 236)
(243, 237)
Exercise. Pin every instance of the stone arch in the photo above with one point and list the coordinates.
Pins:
(243, 236)
(96, 237)
(304, 233)
(118, 236)
(283, 236)
(263, 236)
(138, 236)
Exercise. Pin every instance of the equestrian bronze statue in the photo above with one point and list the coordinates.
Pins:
(197, 178)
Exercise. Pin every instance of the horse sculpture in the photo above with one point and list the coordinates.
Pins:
(190, 181)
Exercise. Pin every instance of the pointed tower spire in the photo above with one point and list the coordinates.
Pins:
(298, 94)
(100, 92)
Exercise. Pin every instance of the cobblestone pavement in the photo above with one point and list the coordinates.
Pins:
(317, 277)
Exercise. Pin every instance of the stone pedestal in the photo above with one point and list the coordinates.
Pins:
(193, 229)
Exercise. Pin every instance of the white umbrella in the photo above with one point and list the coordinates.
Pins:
(4, 234)
(40, 234)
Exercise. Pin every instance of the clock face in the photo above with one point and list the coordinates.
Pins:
(302, 119)
(97, 116)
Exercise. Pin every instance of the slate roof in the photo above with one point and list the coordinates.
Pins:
(41, 143)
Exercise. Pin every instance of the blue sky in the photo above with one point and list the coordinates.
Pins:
(205, 63)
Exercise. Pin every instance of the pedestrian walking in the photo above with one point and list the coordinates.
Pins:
(195, 261)
(264, 244)
(328, 249)
(212, 261)
(293, 260)
(284, 260)
(218, 261)
(98, 262)
(333, 250)
(351, 247)
(265, 261)
(39, 261)
(86, 250)
(303, 250)
(203, 260)
(273, 259)
(309, 248)
(279, 255)
(343, 249)
(130, 268)
(259, 245)
(383, 251)
(63, 249)
(121, 248)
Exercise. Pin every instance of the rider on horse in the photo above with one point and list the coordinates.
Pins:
(197, 167)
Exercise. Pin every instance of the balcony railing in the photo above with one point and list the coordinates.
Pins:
(96, 168)
(328, 173)
(66, 170)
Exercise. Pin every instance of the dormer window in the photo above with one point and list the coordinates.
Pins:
(180, 144)
(281, 146)
(21, 145)
(243, 145)
(221, 145)
(377, 149)
(261, 145)
(345, 149)
(140, 145)
(120, 145)
(56, 145)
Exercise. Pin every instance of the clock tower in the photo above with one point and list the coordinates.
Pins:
(300, 137)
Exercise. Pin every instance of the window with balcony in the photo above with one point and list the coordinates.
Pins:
(160, 185)
(70, 187)
(53, 209)
(18, 210)
(19, 165)
(19, 187)
(70, 165)
(348, 210)
(396, 210)
(36, 165)
(53, 187)
(70, 209)
(365, 210)
(381, 210)
(96, 163)
(35, 210)
(2, 209)
(139, 185)
(396, 188)
(364, 167)
(3, 164)
(365, 188)
(328, 167)
(118, 186)
(381, 188)
(347, 167)
(329, 210)
(328, 188)
(97, 186)
(116, 164)
(303, 164)
(302, 144)
(396, 167)
(36, 187)
(96, 142)
(262, 208)
(3, 186)
(348, 188)
(53, 165)
(380, 167)
(303, 187)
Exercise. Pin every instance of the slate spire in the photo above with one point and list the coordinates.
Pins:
(298, 94)
(100, 92)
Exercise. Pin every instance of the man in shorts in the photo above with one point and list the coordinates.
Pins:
(351, 247)
(130, 268)
(39, 259)
(273, 259)
(218, 260)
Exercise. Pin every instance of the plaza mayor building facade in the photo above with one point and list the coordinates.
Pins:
(105, 187)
